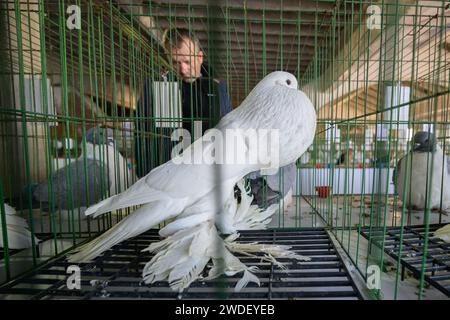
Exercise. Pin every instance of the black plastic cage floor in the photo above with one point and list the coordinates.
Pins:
(117, 274)
(437, 266)
(80, 236)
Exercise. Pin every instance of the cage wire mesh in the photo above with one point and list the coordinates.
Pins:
(377, 73)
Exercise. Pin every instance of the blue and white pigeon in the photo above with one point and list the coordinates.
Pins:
(99, 172)
(412, 174)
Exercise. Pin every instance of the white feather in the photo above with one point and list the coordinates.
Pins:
(131, 226)
(17, 231)
(183, 256)
(247, 216)
(248, 277)
(443, 233)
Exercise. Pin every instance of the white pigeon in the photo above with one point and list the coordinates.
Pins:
(193, 189)
(19, 236)
(443, 233)
(427, 156)
(193, 241)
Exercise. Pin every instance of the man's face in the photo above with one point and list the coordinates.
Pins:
(188, 61)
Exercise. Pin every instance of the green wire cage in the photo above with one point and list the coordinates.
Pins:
(377, 73)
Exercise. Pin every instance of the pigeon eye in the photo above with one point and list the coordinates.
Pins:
(288, 81)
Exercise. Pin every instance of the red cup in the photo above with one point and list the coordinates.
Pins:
(323, 191)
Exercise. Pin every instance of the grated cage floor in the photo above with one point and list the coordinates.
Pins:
(117, 274)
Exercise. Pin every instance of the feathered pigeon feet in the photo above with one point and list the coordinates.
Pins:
(231, 265)
(194, 240)
(271, 252)
(182, 257)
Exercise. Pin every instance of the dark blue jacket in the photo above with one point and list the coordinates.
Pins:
(206, 99)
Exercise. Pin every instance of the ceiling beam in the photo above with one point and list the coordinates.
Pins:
(286, 5)
(271, 29)
(254, 15)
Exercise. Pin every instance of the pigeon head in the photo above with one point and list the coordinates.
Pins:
(424, 142)
(276, 78)
(272, 80)
(280, 78)
(97, 135)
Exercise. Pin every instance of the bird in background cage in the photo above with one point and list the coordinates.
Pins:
(199, 198)
(425, 161)
(98, 172)
(18, 234)
(105, 148)
(345, 160)
(64, 151)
